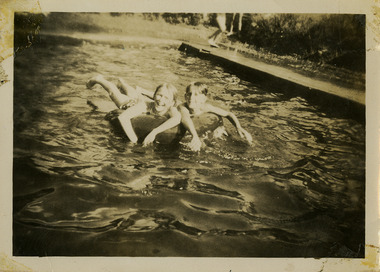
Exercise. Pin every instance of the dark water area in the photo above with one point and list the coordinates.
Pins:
(80, 189)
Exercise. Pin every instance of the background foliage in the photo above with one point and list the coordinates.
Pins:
(336, 39)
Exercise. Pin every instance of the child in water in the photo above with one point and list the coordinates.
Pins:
(164, 104)
(196, 97)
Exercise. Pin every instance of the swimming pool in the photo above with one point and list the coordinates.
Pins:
(80, 189)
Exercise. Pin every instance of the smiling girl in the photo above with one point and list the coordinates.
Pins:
(135, 103)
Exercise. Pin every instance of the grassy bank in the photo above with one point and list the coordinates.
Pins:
(145, 25)
(276, 47)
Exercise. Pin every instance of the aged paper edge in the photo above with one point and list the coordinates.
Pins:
(370, 263)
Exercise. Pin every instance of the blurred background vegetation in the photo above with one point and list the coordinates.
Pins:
(333, 39)
(337, 39)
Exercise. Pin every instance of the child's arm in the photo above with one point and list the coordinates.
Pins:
(232, 118)
(175, 119)
(125, 120)
(195, 143)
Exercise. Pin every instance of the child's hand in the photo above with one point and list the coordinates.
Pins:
(245, 134)
(149, 138)
(195, 144)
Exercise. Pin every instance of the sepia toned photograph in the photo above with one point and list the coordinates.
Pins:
(189, 135)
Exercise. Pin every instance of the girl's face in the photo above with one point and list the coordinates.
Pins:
(195, 100)
(163, 100)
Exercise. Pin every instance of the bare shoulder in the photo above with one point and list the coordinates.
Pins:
(210, 108)
(173, 111)
(214, 109)
(183, 108)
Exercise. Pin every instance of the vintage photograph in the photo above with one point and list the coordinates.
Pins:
(189, 134)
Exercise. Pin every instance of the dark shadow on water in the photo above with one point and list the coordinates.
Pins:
(20, 201)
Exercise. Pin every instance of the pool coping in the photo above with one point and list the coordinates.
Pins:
(275, 76)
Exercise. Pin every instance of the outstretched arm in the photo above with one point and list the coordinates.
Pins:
(125, 120)
(195, 143)
(175, 119)
(233, 119)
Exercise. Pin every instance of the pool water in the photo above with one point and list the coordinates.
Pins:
(80, 189)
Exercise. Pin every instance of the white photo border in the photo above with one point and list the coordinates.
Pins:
(369, 263)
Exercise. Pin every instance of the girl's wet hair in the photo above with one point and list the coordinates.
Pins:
(171, 89)
(197, 86)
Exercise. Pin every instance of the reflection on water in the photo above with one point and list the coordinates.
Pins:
(80, 189)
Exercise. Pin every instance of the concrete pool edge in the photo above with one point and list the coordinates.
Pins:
(352, 100)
